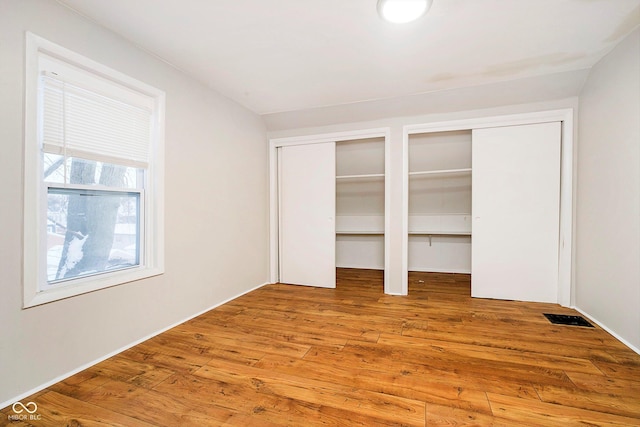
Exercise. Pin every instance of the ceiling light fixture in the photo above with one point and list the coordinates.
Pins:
(403, 11)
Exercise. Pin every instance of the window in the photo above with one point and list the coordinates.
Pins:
(93, 176)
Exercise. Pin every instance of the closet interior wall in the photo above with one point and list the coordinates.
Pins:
(440, 202)
(360, 203)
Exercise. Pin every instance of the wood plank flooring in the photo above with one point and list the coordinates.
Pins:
(352, 356)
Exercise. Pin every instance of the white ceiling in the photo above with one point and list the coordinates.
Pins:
(286, 55)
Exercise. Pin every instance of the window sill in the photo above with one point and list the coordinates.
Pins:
(88, 284)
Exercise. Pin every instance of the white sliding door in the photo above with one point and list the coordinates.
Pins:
(307, 200)
(515, 208)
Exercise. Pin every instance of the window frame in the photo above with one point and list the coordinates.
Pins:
(35, 289)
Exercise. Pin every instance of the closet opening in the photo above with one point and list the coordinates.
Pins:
(329, 210)
(360, 209)
(439, 221)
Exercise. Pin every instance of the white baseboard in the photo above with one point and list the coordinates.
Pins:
(360, 267)
(120, 350)
(441, 270)
(603, 326)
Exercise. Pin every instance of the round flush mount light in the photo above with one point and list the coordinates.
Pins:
(403, 11)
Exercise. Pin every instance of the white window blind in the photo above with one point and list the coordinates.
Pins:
(78, 122)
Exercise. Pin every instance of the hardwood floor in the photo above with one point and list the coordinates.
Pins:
(300, 356)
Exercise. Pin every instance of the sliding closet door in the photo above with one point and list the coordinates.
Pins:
(307, 198)
(515, 208)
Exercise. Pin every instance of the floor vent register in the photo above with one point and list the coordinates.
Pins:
(563, 319)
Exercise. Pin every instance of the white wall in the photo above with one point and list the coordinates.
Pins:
(537, 89)
(608, 199)
(215, 209)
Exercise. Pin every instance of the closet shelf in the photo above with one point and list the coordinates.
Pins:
(440, 214)
(439, 233)
(441, 172)
(363, 176)
(363, 232)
